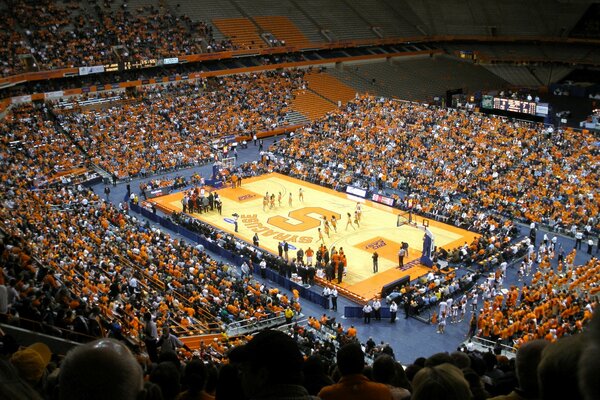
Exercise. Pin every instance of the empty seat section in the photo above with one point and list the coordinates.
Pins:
(311, 105)
(381, 14)
(241, 31)
(330, 87)
(268, 8)
(341, 21)
(283, 29)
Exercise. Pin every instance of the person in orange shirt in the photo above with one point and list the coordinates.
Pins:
(351, 333)
(353, 385)
(309, 256)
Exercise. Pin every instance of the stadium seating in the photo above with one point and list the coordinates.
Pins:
(330, 88)
(283, 29)
(311, 105)
(268, 12)
(241, 31)
(80, 265)
(342, 22)
(417, 78)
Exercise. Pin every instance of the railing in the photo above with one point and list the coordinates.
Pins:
(489, 345)
(252, 325)
(42, 328)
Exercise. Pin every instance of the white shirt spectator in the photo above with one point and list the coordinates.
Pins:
(443, 307)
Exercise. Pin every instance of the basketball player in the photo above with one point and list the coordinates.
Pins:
(358, 211)
(301, 195)
(326, 228)
(334, 223)
(357, 218)
(349, 222)
(321, 236)
(290, 201)
(279, 199)
(265, 202)
(272, 206)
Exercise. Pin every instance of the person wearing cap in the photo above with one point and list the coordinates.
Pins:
(271, 367)
(31, 362)
(354, 385)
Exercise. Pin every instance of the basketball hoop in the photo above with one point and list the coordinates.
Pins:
(228, 162)
(404, 218)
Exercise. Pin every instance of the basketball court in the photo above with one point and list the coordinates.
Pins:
(298, 224)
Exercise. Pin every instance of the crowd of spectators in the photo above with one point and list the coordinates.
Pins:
(77, 264)
(468, 165)
(277, 364)
(174, 126)
(555, 304)
(61, 35)
(11, 47)
(38, 151)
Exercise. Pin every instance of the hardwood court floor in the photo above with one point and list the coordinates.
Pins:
(298, 224)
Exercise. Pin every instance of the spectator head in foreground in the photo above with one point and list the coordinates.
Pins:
(271, 363)
(351, 359)
(529, 356)
(102, 369)
(442, 382)
(31, 362)
(388, 371)
(354, 385)
(589, 363)
(558, 370)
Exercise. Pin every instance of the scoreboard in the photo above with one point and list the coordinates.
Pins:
(513, 105)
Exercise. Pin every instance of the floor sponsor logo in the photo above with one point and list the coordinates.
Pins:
(248, 196)
(377, 244)
(385, 247)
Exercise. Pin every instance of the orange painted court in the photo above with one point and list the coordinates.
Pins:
(298, 223)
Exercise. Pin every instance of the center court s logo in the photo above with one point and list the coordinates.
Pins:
(299, 220)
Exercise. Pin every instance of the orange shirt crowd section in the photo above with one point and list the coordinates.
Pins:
(39, 151)
(175, 126)
(90, 248)
(61, 35)
(556, 303)
(484, 162)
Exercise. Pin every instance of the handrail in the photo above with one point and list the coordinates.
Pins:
(66, 334)
(251, 325)
(491, 344)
